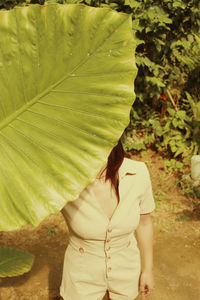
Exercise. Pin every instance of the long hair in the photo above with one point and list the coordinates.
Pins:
(114, 161)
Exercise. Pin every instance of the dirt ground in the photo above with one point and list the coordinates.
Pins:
(176, 247)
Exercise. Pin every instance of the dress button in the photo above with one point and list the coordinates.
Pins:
(109, 269)
(109, 230)
(108, 248)
(108, 240)
(109, 257)
(81, 250)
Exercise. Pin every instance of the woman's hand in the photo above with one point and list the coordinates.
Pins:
(146, 283)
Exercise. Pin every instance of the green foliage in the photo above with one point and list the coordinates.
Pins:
(159, 196)
(168, 58)
(69, 109)
(177, 133)
(14, 262)
(182, 218)
(173, 165)
(190, 188)
(51, 229)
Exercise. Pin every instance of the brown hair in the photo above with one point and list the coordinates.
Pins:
(114, 162)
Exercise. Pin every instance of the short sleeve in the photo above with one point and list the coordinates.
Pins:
(147, 203)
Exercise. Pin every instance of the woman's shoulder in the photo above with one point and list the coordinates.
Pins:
(132, 166)
(131, 163)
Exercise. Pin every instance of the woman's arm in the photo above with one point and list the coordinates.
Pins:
(144, 236)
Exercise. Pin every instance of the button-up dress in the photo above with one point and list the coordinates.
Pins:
(102, 253)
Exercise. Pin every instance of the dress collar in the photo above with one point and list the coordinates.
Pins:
(127, 167)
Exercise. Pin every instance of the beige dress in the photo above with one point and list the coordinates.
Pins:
(102, 253)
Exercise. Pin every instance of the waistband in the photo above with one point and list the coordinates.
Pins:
(100, 247)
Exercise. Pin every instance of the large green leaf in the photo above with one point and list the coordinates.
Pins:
(14, 261)
(66, 89)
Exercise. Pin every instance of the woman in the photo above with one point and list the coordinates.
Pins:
(110, 246)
